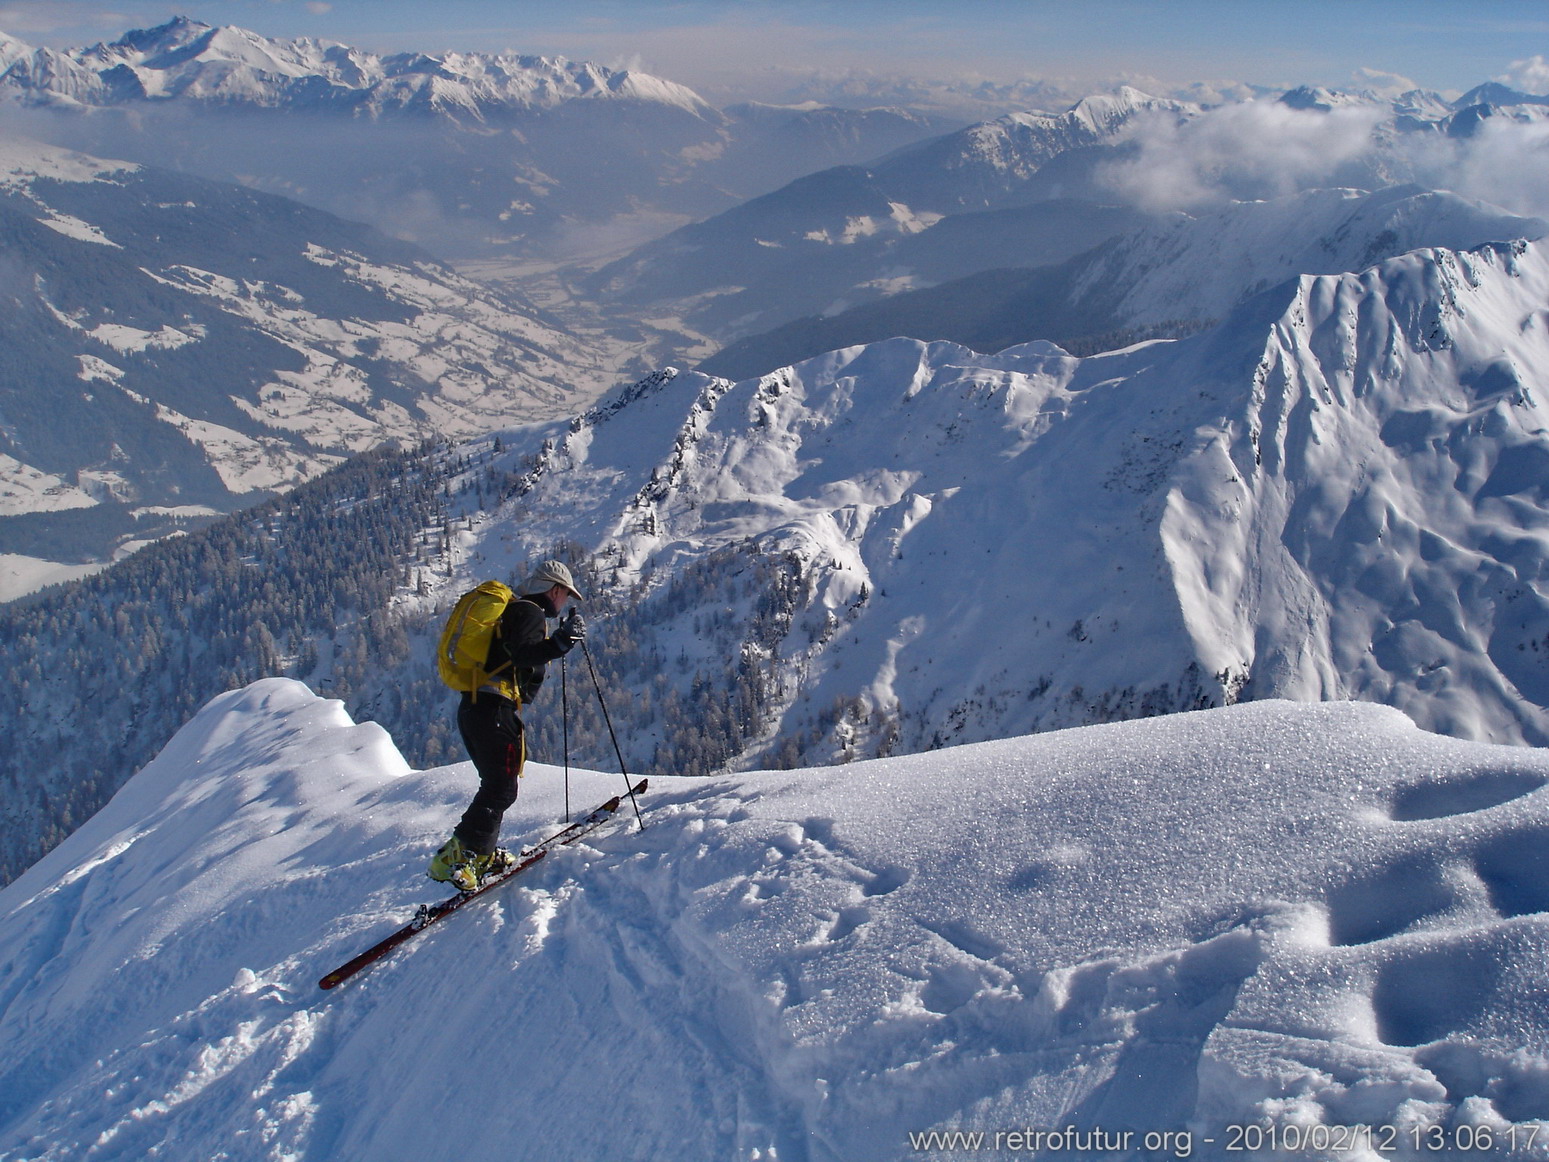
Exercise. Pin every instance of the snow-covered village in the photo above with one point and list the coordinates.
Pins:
(774, 582)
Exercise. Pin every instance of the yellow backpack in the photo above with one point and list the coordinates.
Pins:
(466, 638)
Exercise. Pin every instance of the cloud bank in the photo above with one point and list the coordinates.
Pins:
(1506, 162)
(1265, 149)
(1252, 149)
(1527, 76)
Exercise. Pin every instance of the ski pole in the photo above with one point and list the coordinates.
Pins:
(608, 719)
(564, 719)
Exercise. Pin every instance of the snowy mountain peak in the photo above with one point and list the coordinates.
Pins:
(189, 59)
(181, 34)
(646, 87)
(1495, 93)
(1422, 104)
(1293, 497)
(1018, 144)
(1319, 99)
(1105, 112)
(12, 50)
(1098, 116)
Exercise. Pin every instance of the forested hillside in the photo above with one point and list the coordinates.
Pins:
(341, 584)
(105, 670)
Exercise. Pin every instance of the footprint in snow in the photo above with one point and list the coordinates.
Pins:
(1428, 993)
(1506, 875)
(1476, 792)
(1388, 900)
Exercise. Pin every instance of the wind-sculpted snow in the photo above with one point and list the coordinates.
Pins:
(1280, 916)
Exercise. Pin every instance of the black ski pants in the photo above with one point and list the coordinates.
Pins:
(493, 734)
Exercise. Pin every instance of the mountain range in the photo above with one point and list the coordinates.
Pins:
(1169, 275)
(785, 235)
(190, 60)
(1028, 191)
(1333, 493)
(1328, 489)
(1179, 427)
(471, 154)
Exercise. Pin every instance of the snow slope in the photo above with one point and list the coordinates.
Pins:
(21, 575)
(1277, 915)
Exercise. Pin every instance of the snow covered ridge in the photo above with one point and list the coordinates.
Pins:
(186, 59)
(1282, 917)
(1336, 493)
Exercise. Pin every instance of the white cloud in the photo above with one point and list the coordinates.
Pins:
(1528, 76)
(1384, 83)
(1260, 149)
(1505, 162)
(1247, 149)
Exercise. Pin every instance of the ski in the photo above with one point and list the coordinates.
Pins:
(429, 914)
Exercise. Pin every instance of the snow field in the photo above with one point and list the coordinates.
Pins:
(1273, 914)
(20, 574)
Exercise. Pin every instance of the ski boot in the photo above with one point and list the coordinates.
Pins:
(454, 864)
(477, 871)
(498, 861)
(465, 870)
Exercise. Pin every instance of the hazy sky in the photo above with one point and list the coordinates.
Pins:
(721, 46)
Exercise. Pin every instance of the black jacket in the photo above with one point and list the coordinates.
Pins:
(524, 641)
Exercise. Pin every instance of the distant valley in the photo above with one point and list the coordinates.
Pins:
(179, 347)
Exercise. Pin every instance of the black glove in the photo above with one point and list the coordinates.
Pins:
(570, 631)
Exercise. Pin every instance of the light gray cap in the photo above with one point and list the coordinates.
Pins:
(549, 574)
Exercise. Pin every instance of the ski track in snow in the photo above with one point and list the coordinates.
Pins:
(1275, 913)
